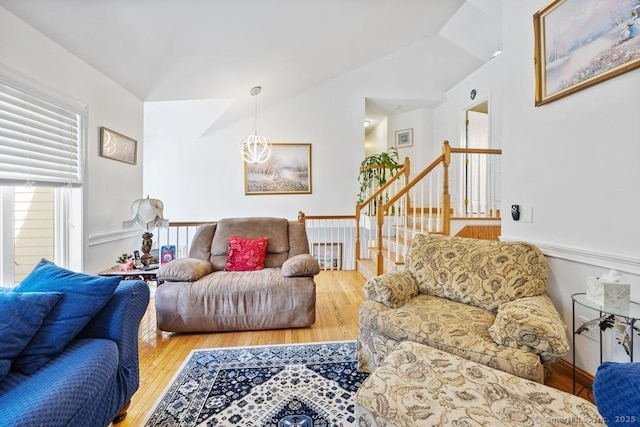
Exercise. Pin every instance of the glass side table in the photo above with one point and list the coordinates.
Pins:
(630, 315)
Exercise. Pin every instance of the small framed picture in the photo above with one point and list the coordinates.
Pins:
(114, 145)
(404, 138)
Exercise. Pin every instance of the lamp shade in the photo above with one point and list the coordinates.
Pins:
(146, 213)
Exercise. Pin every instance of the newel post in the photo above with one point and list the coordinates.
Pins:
(446, 197)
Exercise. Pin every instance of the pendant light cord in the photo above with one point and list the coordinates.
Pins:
(255, 116)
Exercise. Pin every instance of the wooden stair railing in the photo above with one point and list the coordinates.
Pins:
(403, 172)
(444, 211)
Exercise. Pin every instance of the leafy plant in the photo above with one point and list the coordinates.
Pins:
(124, 258)
(376, 169)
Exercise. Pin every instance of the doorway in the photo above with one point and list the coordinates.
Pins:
(476, 170)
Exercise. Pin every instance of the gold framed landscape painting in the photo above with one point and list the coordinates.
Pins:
(287, 171)
(580, 43)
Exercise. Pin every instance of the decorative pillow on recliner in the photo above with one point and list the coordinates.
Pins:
(246, 254)
(531, 322)
(22, 315)
(83, 296)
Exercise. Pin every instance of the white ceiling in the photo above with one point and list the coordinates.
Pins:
(173, 50)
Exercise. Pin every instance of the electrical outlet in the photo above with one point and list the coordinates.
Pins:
(592, 332)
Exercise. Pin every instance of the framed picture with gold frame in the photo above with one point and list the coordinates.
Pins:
(287, 171)
(580, 43)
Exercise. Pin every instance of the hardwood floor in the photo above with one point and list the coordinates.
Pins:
(339, 294)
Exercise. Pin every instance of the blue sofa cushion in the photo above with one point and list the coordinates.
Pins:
(22, 315)
(616, 389)
(83, 296)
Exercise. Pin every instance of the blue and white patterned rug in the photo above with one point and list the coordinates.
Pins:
(300, 385)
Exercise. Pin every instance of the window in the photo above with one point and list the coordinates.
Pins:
(41, 141)
(33, 228)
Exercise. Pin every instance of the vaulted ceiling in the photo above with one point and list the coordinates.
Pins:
(164, 50)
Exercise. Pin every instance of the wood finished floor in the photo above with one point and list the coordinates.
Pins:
(339, 294)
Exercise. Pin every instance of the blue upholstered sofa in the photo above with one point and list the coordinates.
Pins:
(91, 382)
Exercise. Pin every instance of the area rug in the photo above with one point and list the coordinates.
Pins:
(300, 385)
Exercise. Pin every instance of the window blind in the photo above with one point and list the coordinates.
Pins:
(40, 141)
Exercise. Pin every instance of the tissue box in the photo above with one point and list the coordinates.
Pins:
(608, 294)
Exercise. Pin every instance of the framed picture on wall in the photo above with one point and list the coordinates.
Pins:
(116, 146)
(404, 138)
(288, 171)
(580, 43)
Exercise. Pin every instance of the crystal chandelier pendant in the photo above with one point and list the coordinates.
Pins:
(255, 148)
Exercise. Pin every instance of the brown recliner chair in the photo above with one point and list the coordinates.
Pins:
(197, 294)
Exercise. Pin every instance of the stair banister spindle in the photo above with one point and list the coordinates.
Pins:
(446, 198)
(379, 255)
(357, 237)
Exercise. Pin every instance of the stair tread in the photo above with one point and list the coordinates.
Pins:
(385, 254)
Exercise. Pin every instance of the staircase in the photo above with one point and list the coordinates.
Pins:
(429, 202)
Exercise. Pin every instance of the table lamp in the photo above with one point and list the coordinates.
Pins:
(146, 213)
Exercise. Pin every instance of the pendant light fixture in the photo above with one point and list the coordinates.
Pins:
(255, 148)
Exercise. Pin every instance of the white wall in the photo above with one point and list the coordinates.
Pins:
(421, 121)
(586, 143)
(449, 117)
(202, 177)
(376, 140)
(573, 162)
(110, 186)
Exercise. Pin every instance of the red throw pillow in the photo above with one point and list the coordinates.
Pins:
(246, 254)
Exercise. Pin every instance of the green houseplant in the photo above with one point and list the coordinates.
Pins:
(375, 170)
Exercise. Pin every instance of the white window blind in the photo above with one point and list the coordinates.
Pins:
(40, 141)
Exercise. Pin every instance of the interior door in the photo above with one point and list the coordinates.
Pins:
(476, 173)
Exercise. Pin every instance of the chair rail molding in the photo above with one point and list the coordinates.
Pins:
(600, 259)
(113, 236)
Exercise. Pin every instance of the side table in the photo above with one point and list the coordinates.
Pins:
(146, 275)
(630, 315)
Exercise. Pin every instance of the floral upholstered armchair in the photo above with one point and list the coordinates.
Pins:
(483, 300)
